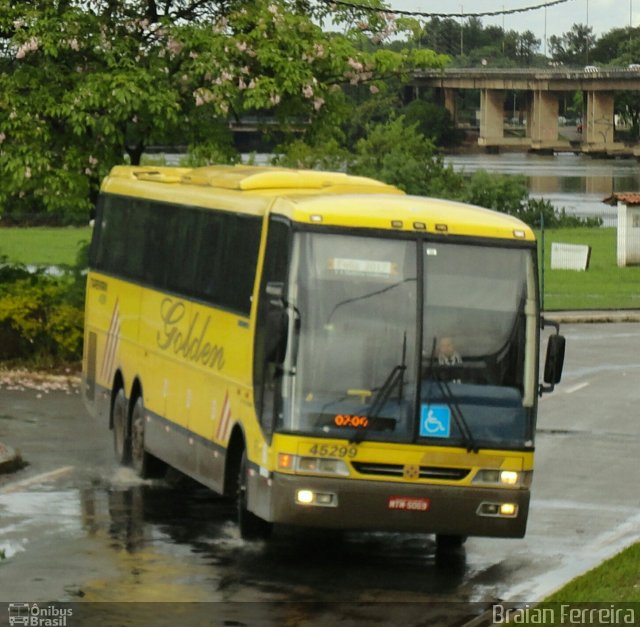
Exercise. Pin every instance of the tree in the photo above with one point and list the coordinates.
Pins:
(574, 46)
(527, 47)
(617, 46)
(434, 122)
(131, 72)
(397, 153)
(620, 47)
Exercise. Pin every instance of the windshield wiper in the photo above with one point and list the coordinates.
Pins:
(367, 295)
(395, 377)
(452, 403)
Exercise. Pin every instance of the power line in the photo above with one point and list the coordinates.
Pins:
(366, 9)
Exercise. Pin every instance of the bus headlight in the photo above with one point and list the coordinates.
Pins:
(509, 478)
(313, 465)
(322, 466)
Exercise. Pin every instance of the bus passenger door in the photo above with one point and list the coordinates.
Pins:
(271, 323)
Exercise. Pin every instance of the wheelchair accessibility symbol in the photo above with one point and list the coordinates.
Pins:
(435, 421)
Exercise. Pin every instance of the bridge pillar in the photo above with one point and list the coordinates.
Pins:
(491, 117)
(542, 119)
(598, 125)
(450, 103)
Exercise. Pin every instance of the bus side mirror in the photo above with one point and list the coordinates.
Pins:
(275, 291)
(554, 362)
(277, 323)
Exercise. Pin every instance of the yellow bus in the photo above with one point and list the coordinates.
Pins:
(325, 349)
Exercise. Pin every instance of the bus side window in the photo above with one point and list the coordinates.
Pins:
(209, 255)
(182, 255)
(112, 242)
(236, 277)
(274, 270)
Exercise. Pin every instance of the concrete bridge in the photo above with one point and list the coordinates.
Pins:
(544, 88)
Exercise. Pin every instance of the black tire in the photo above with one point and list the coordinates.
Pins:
(447, 542)
(144, 464)
(121, 431)
(251, 526)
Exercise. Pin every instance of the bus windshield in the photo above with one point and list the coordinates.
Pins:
(400, 340)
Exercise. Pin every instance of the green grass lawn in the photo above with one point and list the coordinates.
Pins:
(613, 587)
(42, 245)
(602, 286)
(616, 580)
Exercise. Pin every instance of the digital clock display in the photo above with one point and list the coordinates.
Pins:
(351, 420)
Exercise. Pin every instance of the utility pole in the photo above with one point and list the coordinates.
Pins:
(586, 37)
(545, 31)
(461, 30)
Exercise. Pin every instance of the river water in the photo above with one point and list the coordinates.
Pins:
(577, 183)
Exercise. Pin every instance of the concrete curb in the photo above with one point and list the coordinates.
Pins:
(570, 317)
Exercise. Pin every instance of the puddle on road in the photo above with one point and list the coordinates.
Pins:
(182, 544)
(9, 417)
(111, 538)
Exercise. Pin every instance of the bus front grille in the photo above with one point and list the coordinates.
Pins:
(397, 470)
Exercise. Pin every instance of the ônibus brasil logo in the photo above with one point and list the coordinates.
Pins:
(38, 615)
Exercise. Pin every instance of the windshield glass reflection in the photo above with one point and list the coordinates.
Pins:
(355, 368)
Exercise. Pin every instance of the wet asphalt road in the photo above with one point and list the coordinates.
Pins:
(74, 527)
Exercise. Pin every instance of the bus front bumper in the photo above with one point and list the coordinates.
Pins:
(353, 504)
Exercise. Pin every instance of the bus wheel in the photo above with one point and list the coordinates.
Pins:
(251, 526)
(446, 542)
(120, 422)
(144, 464)
(139, 457)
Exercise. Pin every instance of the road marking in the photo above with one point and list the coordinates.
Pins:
(42, 478)
(575, 388)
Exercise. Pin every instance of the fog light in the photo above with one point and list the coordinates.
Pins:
(324, 499)
(508, 509)
(497, 510)
(488, 509)
(318, 499)
(304, 497)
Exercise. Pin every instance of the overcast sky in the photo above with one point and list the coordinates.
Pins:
(601, 15)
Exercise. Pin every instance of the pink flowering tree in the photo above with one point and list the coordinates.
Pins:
(83, 84)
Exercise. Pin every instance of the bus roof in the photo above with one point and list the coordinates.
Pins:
(302, 196)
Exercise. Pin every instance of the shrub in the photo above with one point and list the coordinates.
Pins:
(537, 210)
(41, 316)
(37, 321)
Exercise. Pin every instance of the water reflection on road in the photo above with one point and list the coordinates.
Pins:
(180, 545)
(155, 531)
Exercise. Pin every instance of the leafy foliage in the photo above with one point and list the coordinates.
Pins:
(434, 122)
(37, 320)
(41, 316)
(399, 154)
(132, 72)
(574, 46)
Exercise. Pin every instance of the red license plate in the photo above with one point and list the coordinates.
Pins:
(409, 503)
